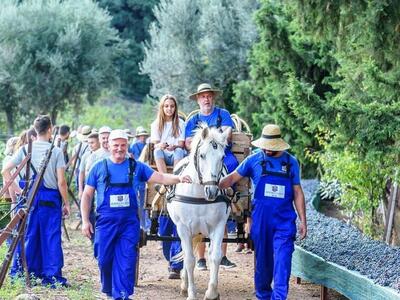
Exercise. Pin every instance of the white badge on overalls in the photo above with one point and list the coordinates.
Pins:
(274, 191)
(119, 200)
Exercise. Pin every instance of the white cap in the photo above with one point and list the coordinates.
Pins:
(104, 129)
(118, 134)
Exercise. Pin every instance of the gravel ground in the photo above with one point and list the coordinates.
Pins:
(345, 245)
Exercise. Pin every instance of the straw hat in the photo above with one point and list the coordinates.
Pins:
(83, 135)
(140, 131)
(205, 87)
(11, 142)
(271, 139)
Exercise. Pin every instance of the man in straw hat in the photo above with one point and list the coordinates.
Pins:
(137, 146)
(214, 117)
(117, 224)
(276, 177)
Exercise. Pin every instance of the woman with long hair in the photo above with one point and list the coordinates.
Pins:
(168, 134)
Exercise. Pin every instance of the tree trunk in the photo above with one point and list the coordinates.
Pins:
(53, 115)
(10, 121)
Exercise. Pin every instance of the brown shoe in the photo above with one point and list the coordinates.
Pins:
(239, 248)
(174, 274)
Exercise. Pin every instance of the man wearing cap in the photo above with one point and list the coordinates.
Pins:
(276, 177)
(117, 225)
(214, 117)
(101, 153)
(44, 256)
(137, 146)
(82, 138)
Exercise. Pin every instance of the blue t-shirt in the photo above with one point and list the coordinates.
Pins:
(211, 120)
(136, 149)
(118, 174)
(251, 166)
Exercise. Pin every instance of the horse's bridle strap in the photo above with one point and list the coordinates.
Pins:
(214, 182)
(196, 167)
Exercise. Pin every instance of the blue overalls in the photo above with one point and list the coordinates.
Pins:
(44, 255)
(273, 232)
(170, 249)
(117, 236)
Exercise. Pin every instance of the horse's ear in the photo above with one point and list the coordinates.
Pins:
(225, 135)
(204, 133)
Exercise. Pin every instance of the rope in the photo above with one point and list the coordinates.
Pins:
(192, 113)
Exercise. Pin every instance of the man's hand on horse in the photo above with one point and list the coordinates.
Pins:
(185, 179)
(87, 229)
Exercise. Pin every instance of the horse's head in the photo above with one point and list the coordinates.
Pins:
(208, 153)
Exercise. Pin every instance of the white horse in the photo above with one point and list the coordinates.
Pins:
(197, 209)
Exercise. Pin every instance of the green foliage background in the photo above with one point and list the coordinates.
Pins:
(61, 53)
(132, 18)
(328, 73)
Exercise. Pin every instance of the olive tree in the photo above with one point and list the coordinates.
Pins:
(197, 41)
(55, 54)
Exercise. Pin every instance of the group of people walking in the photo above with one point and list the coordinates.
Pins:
(111, 184)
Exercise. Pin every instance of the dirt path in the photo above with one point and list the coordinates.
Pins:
(82, 272)
(234, 284)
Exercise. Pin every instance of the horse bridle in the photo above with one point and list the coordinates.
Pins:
(196, 165)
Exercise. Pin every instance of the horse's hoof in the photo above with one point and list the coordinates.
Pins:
(184, 293)
(205, 298)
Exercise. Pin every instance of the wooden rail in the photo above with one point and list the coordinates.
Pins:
(351, 284)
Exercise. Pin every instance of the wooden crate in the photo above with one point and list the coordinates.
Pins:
(241, 145)
(241, 138)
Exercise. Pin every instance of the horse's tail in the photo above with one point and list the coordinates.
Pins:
(196, 240)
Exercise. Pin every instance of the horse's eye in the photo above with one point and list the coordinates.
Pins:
(202, 156)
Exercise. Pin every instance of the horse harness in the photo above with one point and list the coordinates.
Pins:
(171, 196)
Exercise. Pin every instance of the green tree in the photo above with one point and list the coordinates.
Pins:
(328, 73)
(61, 53)
(132, 18)
(197, 41)
(283, 55)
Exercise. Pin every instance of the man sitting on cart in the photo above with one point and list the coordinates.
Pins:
(214, 117)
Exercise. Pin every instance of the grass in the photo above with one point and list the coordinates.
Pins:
(80, 269)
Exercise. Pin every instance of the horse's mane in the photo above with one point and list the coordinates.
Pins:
(214, 134)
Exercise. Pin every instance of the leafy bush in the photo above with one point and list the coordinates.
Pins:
(330, 190)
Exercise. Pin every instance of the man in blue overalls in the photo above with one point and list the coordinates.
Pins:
(117, 224)
(44, 256)
(276, 177)
(214, 117)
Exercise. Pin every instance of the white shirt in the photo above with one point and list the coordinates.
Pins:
(167, 136)
(94, 157)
